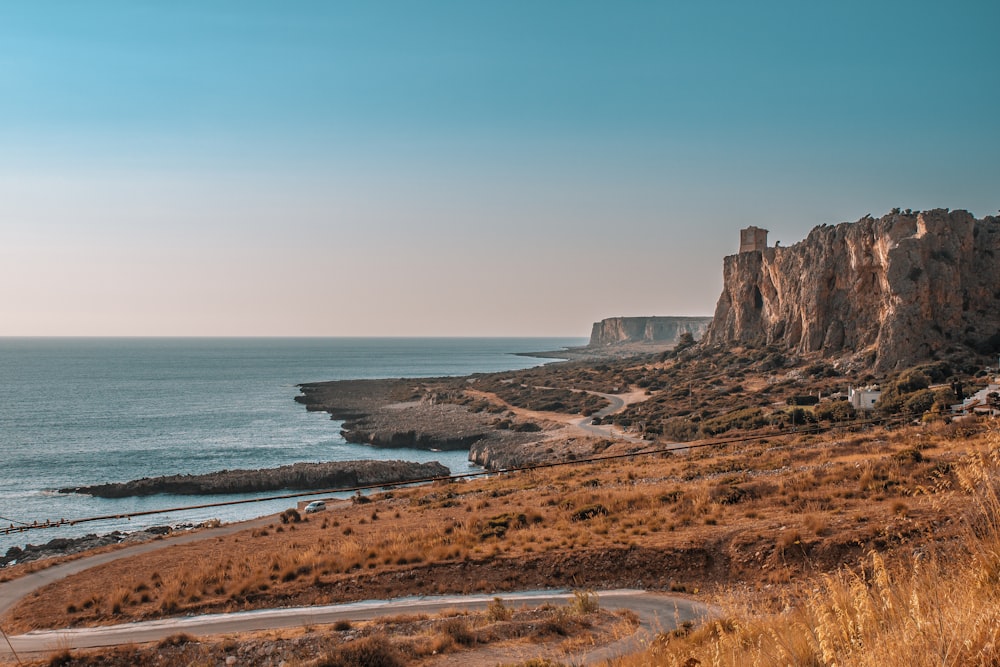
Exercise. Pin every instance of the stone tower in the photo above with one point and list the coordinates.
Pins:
(753, 238)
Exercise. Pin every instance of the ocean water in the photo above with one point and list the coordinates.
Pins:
(75, 412)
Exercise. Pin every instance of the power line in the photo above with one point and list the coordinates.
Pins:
(23, 523)
(674, 447)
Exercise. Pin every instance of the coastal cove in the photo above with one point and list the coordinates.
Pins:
(79, 412)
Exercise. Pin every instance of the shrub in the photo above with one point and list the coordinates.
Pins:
(373, 651)
(526, 427)
(803, 399)
(499, 525)
(497, 611)
(835, 411)
(919, 402)
(678, 429)
(911, 380)
(586, 602)
(458, 629)
(60, 659)
(589, 512)
(179, 639)
(747, 418)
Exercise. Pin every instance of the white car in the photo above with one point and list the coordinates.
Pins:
(315, 506)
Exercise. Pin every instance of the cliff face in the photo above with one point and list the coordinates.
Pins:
(646, 329)
(892, 291)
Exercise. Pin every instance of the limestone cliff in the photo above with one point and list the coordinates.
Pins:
(890, 292)
(646, 329)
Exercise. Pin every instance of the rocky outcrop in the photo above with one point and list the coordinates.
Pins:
(63, 546)
(333, 475)
(889, 292)
(401, 413)
(668, 330)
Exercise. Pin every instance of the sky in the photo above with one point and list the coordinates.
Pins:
(438, 168)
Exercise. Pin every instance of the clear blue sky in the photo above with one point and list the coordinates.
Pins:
(459, 168)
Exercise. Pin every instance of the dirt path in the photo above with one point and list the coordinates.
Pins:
(584, 425)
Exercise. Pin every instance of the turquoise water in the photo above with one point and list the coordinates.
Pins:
(83, 411)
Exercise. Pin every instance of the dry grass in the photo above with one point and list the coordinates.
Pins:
(764, 514)
(404, 640)
(936, 605)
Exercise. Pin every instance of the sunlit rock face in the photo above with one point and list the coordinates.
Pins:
(668, 330)
(885, 292)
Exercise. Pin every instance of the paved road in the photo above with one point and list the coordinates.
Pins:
(656, 613)
(12, 591)
(615, 404)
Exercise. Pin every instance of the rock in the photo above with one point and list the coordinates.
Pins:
(403, 413)
(887, 292)
(617, 330)
(61, 546)
(313, 476)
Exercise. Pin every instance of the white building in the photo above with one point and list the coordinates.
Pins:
(980, 401)
(864, 398)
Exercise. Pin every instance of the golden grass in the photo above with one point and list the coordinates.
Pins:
(938, 605)
(772, 511)
(400, 640)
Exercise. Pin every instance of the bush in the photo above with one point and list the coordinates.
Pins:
(458, 629)
(586, 602)
(804, 399)
(678, 429)
(589, 512)
(371, 651)
(497, 611)
(180, 639)
(526, 427)
(499, 525)
(747, 418)
(919, 402)
(61, 659)
(912, 380)
(835, 411)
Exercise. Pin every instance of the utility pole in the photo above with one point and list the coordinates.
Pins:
(11, 646)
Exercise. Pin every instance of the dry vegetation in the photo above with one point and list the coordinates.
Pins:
(557, 630)
(835, 548)
(758, 515)
(936, 604)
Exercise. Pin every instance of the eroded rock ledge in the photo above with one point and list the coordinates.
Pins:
(886, 293)
(410, 413)
(332, 475)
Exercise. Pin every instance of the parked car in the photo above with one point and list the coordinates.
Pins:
(315, 506)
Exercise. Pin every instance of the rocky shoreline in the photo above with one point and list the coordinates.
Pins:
(313, 476)
(65, 546)
(412, 413)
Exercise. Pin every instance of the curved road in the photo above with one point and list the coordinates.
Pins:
(656, 613)
(615, 404)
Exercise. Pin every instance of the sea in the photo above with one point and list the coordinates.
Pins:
(82, 411)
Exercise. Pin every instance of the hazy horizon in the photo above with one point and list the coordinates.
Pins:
(458, 169)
